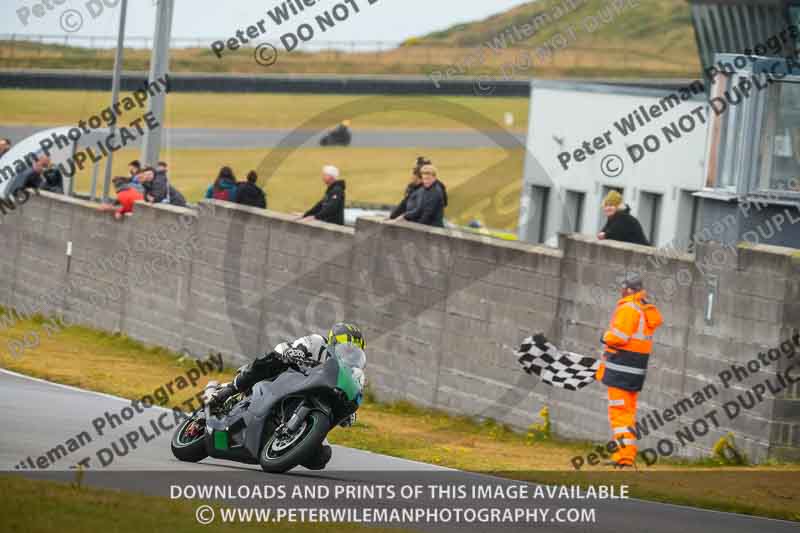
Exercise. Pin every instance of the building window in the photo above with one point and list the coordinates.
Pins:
(650, 215)
(781, 140)
(537, 219)
(688, 216)
(573, 211)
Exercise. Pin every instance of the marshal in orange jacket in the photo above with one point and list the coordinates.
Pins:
(629, 341)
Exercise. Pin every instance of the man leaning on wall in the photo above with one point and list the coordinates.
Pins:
(629, 342)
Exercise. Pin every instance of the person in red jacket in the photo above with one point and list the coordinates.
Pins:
(127, 196)
(629, 342)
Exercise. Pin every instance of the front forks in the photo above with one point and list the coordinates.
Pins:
(297, 418)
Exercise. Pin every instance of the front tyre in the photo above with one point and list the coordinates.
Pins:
(188, 442)
(281, 453)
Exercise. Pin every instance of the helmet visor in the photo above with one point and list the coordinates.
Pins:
(351, 355)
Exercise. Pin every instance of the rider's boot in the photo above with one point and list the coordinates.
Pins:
(319, 459)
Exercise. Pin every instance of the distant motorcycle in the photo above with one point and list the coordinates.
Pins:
(278, 424)
(339, 136)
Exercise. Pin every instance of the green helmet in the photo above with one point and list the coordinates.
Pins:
(343, 333)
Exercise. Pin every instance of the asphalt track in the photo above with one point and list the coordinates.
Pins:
(36, 415)
(222, 139)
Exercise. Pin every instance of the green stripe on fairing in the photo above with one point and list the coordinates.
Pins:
(221, 440)
(346, 382)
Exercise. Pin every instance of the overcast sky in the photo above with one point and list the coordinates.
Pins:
(385, 20)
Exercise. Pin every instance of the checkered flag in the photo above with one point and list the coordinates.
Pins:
(565, 370)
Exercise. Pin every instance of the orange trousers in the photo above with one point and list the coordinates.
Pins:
(622, 417)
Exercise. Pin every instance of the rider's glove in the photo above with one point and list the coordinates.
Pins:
(349, 421)
(219, 396)
(293, 355)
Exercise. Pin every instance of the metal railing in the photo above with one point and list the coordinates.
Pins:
(15, 47)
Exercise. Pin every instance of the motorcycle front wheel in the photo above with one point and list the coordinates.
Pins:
(281, 453)
(188, 442)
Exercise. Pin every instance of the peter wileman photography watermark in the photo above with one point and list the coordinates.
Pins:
(111, 141)
(526, 59)
(137, 436)
(266, 54)
(735, 374)
(70, 19)
(613, 165)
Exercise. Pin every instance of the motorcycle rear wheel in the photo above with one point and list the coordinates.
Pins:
(281, 456)
(189, 449)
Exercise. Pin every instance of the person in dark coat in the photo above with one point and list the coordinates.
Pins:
(431, 200)
(249, 193)
(331, 207)
(621, 225)
(157, 189)
(415, 184)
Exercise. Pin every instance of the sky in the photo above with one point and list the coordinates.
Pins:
(383, 20)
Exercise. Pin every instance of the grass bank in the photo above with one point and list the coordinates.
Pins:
(44, 506)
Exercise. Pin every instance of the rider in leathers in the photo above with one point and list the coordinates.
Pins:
(272, 364)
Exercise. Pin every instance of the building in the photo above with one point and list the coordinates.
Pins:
(586, 139)
(728, 170)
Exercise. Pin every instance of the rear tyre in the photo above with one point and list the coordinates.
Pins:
(188, 442)
(282, 453)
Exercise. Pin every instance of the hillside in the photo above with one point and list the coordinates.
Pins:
(584, 39)
(647, 27)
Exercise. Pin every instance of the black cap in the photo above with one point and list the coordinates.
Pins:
(632, 281)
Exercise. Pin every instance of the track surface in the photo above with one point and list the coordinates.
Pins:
(220, 139)
(36, 415)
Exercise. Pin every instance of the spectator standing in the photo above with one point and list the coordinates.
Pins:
(428, 209)
(5, 146)
(415, 185)
(158, 190)
(331, 208)
(621, 225)
(134, 169)
(224, 187)
(249, 193)
(34, 177)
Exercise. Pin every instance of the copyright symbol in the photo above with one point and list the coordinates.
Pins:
(204, 515)
(483, 86)
(612, 166)
(71, 20)
(266, 54)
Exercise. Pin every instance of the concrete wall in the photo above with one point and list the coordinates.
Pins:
(442, 310)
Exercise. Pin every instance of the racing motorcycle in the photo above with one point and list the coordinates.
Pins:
(277, 424)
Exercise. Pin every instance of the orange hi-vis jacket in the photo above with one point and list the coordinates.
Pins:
(629, 341)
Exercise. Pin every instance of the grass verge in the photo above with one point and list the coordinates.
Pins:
(44, 506)
(117, 365)
(266, 110)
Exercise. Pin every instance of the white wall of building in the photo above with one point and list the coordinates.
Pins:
(565, 114)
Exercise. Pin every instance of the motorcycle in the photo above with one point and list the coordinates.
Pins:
(339, 136)
(278, 424)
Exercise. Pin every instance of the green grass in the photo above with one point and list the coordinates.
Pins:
(483, 183)
(117, 365)
(29, 506)
(275, 111)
